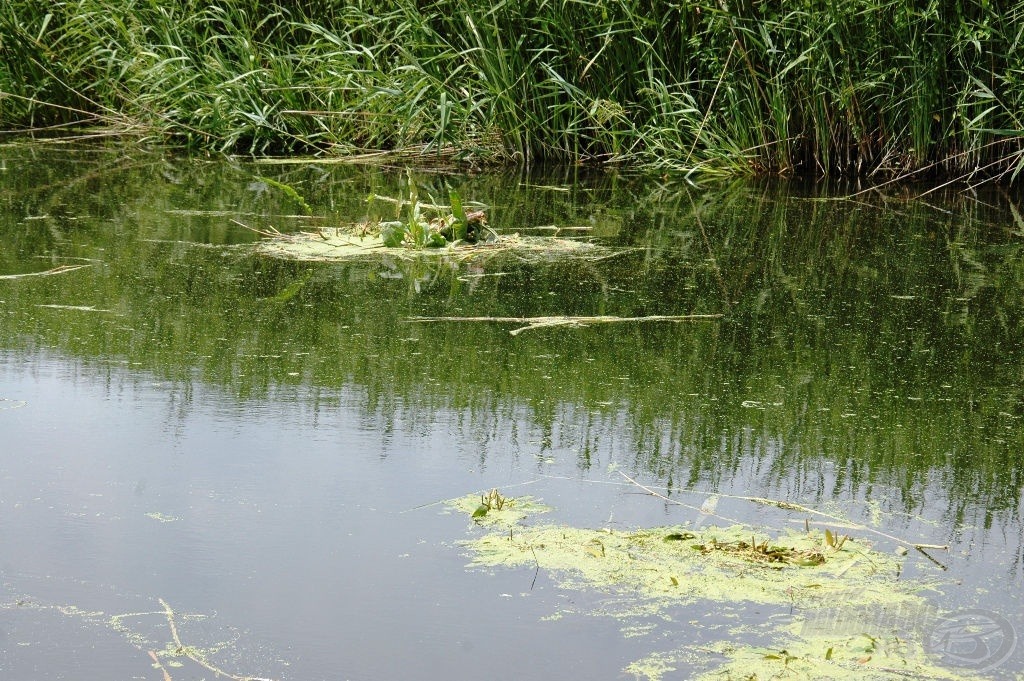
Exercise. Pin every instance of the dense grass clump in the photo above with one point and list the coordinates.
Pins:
(814, 86)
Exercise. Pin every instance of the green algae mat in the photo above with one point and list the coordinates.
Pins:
(850, 606)
(341, 244)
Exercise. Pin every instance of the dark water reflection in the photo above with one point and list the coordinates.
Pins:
(285, 417)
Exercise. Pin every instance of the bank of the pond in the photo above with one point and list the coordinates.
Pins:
(852, 87)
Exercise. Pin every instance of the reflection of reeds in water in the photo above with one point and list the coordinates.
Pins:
(877, 340)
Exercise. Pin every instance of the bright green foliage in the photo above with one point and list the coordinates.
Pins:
(839, 87)
(460, 222)
(428, 225)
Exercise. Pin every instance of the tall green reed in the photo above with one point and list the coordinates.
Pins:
(849, 87)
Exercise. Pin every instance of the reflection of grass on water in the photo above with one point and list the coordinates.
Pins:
(650, 575)
(876, 339)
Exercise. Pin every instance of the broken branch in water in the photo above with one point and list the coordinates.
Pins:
(159, 665)
(192, 654)
(60, 269)
(543, 322)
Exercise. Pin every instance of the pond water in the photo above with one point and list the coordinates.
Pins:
(262, 444)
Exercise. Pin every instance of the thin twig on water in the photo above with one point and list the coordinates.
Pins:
(543, 322)
(159, 665)
(269, 233)
(60, 269)
(678, 503)
(191, 654)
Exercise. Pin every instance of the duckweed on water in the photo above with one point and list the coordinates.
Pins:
(420, 229)
(651, 573)
(722, 564)
(162, 517)
(340, 244)
(155, 632)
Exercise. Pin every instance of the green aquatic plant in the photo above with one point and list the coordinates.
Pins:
(427, 224)
(488, 502)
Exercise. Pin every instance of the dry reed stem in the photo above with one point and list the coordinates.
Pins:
(61, 269)
(545, 322)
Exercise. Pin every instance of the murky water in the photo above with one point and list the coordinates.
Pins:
(261, 444)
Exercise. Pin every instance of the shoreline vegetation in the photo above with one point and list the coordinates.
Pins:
(856, 88)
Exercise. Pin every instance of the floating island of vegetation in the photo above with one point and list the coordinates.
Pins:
(843, 609)
(423, 230)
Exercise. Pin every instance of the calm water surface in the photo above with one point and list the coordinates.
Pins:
(261, 444)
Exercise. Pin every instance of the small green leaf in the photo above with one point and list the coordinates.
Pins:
(830, 538)
(392, 234)
(461, 223)
(828, 654)
(457, 210)
(435, 240)
(481, 511)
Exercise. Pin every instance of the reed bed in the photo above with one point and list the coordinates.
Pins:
(844, 87)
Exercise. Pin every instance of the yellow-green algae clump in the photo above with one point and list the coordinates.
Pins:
(339, 244)
(659, 568)
(500, 511)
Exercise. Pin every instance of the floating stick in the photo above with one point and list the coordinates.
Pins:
(542, 322)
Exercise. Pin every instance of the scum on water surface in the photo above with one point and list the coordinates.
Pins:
(339, 244)
(650, 574)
